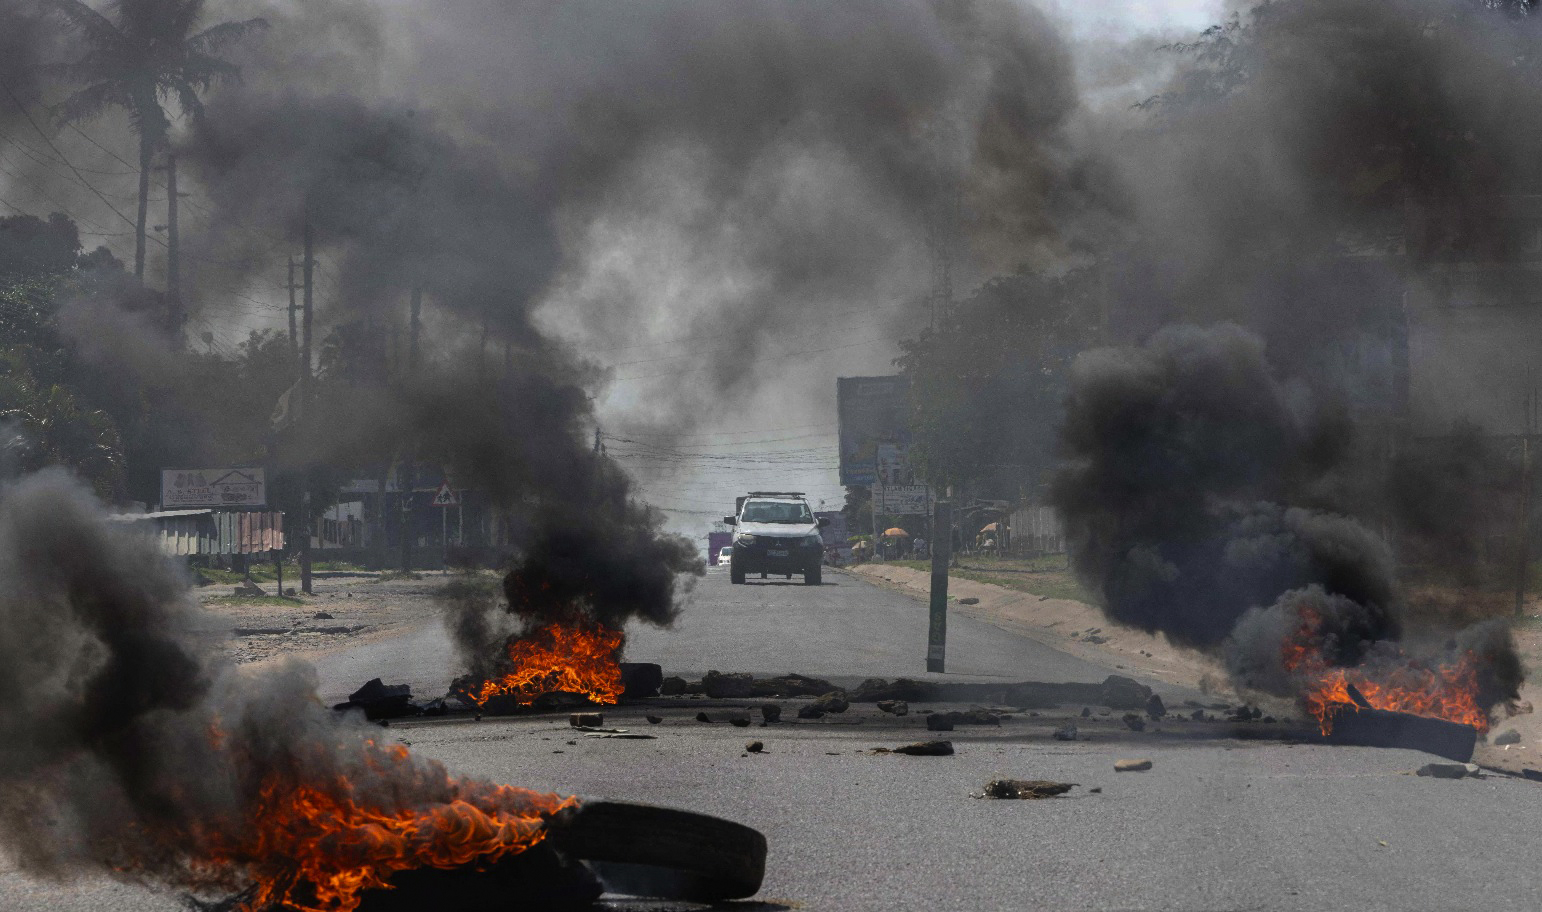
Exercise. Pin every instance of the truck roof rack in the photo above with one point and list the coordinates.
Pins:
(776, 494)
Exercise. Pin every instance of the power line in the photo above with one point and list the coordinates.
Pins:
(810, 351)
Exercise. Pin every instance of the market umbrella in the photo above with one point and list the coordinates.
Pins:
(895, 532)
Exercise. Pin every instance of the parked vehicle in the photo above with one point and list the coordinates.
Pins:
(776, 532)
(724, 554)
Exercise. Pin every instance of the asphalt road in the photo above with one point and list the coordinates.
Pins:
(1218, 824)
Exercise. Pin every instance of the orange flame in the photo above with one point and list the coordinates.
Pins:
(1445, 691)
(575, 658)
(315, 846)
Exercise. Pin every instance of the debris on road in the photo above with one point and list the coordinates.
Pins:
(654, 720)
(754, 747)
(703, 717)
(1065, 732)
(1026, 789)
(586, 720)
(381, 701)
(640, 680)
(732, 685)
(1086, 712)
(894, 707)
(623, 735)
(1155, 708)
(770, 712)
(672, 686)
(1131, 766)
(1116, 692)
(1510, 736)
(833, 702)
(1449, 771)
(1385, 728)
(969, 600)
(739, 721)
(1134, 722)
(939, 722)
(920, 749)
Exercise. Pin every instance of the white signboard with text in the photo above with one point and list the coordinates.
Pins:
(903, 500)
(185, 488)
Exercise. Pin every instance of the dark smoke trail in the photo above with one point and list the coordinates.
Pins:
(1203, 500)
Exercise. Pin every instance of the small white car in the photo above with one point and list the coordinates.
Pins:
(724, 555)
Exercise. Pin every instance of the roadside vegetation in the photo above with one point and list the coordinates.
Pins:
(1048, 576)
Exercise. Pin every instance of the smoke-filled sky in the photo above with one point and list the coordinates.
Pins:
(723, 205)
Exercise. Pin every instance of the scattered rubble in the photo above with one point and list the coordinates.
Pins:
(1154, 708)
(1026, 789)
(1449, 771)
(754, 747)
(381, 701)
(739, 721)
(770, 712)
(939, 722)
(1134, 722)
(1510, 736)
(921, 749)
(833, 702)
(894, 707)
(1131, 766)
(640, 680)
(672, 686)
(1065, 732)
(1116, 692)
(654, 720)
(321, 616)
(703, 717)
(810, 711)
(969, 600)
(733, 685)
(586, 720)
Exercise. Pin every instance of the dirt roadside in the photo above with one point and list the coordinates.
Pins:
(344, 611)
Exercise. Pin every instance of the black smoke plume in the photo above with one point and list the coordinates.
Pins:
(130, 754)
(1206, 500)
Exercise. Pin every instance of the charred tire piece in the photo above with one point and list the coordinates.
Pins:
(642, 850)
(735, 572)
(812, 576)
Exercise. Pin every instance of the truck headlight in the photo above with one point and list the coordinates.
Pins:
(813, 541)
(745, 539)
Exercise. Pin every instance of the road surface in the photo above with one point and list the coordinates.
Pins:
(1218, 824)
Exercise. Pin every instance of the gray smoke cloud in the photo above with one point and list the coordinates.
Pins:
(133, 755)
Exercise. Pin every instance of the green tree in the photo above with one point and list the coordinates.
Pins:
(143, 56)
(987, 384)
(48, 425)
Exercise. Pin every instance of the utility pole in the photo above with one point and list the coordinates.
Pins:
(173, 254)
(406, 471)
(294, 333)
(308, 266)
(937, 628)
(1523, 560)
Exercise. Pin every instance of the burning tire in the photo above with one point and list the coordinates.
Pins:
(641, 850)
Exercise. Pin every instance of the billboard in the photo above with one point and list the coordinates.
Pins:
(188, 488)
(903, 500)
(874, 432)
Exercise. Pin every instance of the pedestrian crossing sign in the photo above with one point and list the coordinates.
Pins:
(445, 497)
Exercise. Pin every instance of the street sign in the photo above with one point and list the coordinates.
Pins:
(444, 497)
(903, 500)
(874, 432)
(213, 488)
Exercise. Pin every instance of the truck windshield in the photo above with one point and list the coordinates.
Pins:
(771, 512)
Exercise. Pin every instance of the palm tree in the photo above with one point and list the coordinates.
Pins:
(149, 54)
